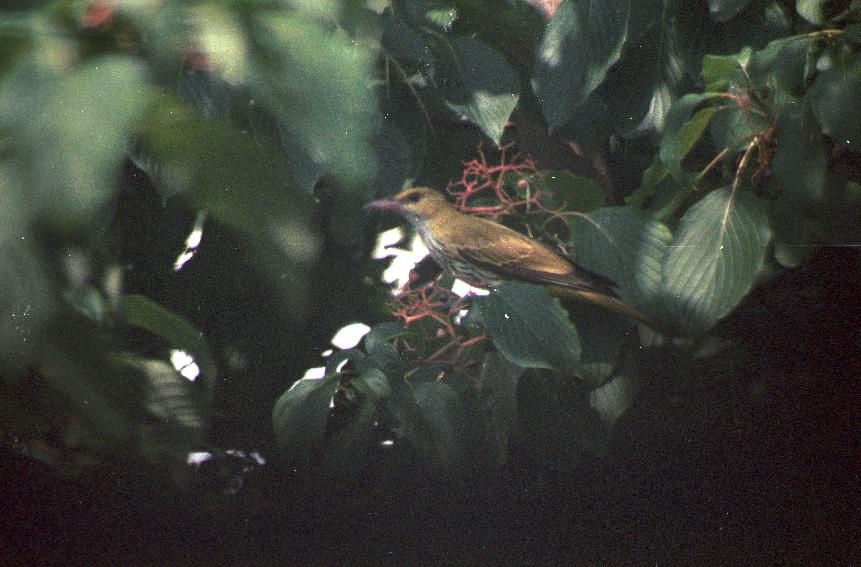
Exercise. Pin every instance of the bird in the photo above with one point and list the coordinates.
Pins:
(481, 251)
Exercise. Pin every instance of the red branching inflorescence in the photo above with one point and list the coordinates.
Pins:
(437, 305)
(481, 179)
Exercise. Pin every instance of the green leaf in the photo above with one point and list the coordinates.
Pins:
(723, 10)
(721, 71)
(734, 127)
(627, 246)
(91, 109)
(15, 41)
(614, 398)
(27, 294)
(383, 333)
(580, 44)
(682, 131)
(573, 192)
(834, 97)
(714, 259)
(373, 383)
(852, 33)
(529, 327)
(318, 83)
(300, 415)
(442, 17)
(811, 10)
(478, 83)
(146, 314)
(783, 67)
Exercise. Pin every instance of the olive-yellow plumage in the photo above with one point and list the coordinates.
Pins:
(479, 250)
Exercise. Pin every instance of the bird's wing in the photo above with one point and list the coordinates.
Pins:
(513, 255)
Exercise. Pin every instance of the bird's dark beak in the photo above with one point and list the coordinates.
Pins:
(385, 205)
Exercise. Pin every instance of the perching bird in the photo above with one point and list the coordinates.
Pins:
(479, 250)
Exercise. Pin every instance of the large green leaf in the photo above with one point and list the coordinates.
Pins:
(26, 291)
(834, 97)
(529, 327)
(714, 258)
(582, 41)
(144, 313)
(70, 133)
(318, 84)
(783, 68)
(300, 415)
(476, 82)
(627, 246)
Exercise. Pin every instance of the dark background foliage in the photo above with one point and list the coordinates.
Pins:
(703, 155)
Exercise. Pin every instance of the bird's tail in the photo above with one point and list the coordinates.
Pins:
(608, 302)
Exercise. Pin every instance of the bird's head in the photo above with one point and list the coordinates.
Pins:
(417, 205)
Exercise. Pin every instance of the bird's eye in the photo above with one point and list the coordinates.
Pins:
(414, 198)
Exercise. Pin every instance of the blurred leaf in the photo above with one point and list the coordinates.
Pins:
(442, 17)
(26, 292)
(723, 10)
(714, 258)
(146, 314)
(627, 246)
(373, 383)
(318, 84)
(210, 162)
(581, 42)
(852, 33)
(478, 83)
(682, 131)
(174, 403)
(529, 327)
(300, 415)
(15, 40)
(105, 95)
(834, 97)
